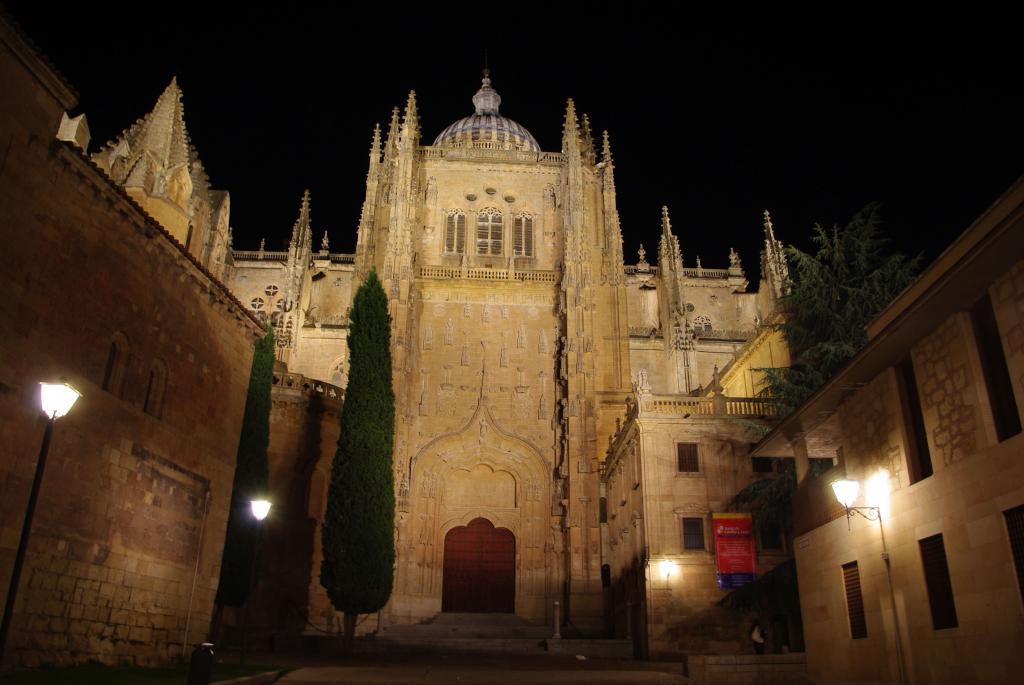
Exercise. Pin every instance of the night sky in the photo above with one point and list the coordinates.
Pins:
(717, 121)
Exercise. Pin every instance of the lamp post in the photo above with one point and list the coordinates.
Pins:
(846, 492)
(260, 508)
(55, 400)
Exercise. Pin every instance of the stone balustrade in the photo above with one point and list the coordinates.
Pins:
(296, 381)
(489, 150)
(481, 274)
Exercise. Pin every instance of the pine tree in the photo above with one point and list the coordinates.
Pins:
(835, 293)
(251, 480)
(358, 530)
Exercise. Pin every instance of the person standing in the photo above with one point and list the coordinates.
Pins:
(757, 637)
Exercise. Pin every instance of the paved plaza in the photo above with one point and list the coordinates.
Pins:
(470, 670)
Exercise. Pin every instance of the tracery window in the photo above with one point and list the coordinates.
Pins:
(489, 232)
(522, 229)
(257, 304)
(271, 290)
(455, 233)
(702, 323)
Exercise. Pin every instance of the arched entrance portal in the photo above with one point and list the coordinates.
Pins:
(479, 569)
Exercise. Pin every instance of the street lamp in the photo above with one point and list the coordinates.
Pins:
(668, 569)
(55, 400)
(846, 492)
(260, 508)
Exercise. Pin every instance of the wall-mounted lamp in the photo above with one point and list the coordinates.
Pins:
(846, 492)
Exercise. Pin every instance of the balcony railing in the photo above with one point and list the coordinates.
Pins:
(479, 274)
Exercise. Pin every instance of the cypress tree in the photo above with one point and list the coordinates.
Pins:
(251, 480)
(835, 293)
(358, 530)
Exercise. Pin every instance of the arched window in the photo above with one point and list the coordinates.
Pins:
(455, 233)
(156, 385)
(702, 323)
(489, 232)
(117, 363)
(522, 229)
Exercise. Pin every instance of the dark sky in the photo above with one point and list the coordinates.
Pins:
(715, 120)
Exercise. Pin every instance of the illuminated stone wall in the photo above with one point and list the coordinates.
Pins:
(122, 517)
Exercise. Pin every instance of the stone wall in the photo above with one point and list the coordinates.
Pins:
(952, 391)
(123, 515)
(872, 422)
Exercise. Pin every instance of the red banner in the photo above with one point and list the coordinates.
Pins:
(735, 553)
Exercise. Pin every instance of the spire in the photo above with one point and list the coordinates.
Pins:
(391, 144)
(587, 139)
(302, 229)
(161, 134)
(669, 255)
(375, 148)
(411, 121)
(486, 100)
(606, 149)
(571, 129)
(773, 260)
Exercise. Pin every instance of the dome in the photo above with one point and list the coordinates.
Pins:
(486, 125)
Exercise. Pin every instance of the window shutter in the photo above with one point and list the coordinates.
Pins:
(527, 237)
(688, 461)
(693, 533)
(854, 601)
(940, 587)
(449, 234)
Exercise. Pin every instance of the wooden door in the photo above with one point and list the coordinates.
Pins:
(479, 569)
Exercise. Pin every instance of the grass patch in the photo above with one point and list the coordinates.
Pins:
(111, 675)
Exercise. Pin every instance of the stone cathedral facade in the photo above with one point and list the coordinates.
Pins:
(521, 339)
(527, 357)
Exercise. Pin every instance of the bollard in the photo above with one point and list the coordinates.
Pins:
(558, 622)
(200, 667)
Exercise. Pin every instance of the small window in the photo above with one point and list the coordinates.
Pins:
(919, 459)
(523, 238)
(115, 369)
(688, 460)
(257, 304)
(693, 533)
(155, 387)
(455, 233)
(761, 464)
(603, 511)
(854, 601)
(1015, 527)
(112, 359)
(489, 233)
(271, 290)
(936, 578)
(995, 370)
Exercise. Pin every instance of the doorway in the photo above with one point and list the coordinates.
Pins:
(479, 569)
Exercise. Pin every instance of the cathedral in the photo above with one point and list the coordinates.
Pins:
(567, 422)
(521, 342)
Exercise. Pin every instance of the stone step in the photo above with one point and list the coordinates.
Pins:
(470, 626)
(592, 649)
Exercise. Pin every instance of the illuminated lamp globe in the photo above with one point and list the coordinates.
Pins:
(56, 399)
(667, 567)
(846, 491)
(260, 508)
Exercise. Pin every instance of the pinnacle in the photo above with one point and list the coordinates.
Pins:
(606, 147)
